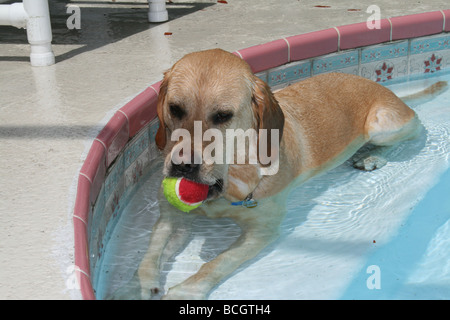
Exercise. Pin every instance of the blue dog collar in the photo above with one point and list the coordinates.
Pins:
(248, 202)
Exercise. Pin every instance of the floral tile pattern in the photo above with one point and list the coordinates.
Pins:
(384, 52)
(339, 62)
(430, 54)
(430, 44)
(433, 64)
(384, 62)
(385, 70)
(291, 73)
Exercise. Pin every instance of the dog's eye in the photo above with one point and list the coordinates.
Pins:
(176, 111)
(222, 117)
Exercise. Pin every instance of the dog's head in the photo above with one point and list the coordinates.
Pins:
(203, 97)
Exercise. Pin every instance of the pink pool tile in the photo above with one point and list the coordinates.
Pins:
(85, 286)
(81, 209)
(266, 56)
(156, 86)
(94, 168)
(417, 25)
(447, 19)
(236, 53)
(81, 254)
(313, 44)
(359, 35)
(82, 268)
(142, 109)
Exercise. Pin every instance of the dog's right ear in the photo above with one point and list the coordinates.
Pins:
(267, 111)
(160, 137)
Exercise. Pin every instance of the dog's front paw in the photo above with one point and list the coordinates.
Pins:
(151, 293)
(181, 293)
(136, 289)
(369, 163)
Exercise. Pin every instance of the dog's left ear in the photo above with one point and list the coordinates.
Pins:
(160, 137)
(267, 111)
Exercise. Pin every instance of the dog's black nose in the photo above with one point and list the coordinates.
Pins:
(185, 168)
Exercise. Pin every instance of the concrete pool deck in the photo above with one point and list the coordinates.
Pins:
(50, 115)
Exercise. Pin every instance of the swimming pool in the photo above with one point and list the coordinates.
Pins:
(337, 223)
(348, 234)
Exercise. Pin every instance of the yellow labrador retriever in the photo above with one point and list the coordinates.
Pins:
(321, 122)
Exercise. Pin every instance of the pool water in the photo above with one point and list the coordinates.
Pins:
(348, 234)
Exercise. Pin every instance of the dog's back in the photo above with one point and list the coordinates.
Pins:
(330, 116)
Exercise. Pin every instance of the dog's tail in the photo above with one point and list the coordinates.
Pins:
(426, 94)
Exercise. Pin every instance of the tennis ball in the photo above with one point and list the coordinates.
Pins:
(184, 194)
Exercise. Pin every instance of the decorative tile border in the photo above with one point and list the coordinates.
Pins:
(429, 55)
(125, 146)
(384, 52)
(343, 62)
(286, 75)
(380, 63)
(430, 44)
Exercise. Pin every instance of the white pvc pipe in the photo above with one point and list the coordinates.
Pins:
(33, 15)
(39, 32)
(157, 11)
(13, 15)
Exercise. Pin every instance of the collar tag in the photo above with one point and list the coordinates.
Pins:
(250, 203)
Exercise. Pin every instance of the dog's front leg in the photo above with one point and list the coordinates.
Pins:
(170, 232)
(257, 233)
(248, 245)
